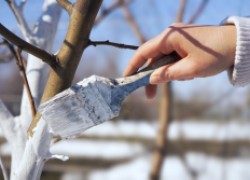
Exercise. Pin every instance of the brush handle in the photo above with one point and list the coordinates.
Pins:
(165, 60)
(122, 87)
(141, 77)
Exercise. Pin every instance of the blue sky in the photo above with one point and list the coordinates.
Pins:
(153, 16)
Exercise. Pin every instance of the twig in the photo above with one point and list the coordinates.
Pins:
(50, 59)
(108, 43)
(25, 80)
(133, 23)
(4, 169)
(21, 67)
(198, 12)
(181, 11)
(65, 4)
(106, 11)
(18, 12)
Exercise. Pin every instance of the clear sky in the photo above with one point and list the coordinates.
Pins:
(153, 16)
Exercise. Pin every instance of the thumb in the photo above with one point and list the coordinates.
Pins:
(184, 69)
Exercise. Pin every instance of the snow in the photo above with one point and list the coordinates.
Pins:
(97, 149)
(174, 169)
(135, 170)
(124, 128)
(195, 130)
(196, 161)
(232, 130)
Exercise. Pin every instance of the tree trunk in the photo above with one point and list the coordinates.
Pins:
(164, 120)
(29, 153)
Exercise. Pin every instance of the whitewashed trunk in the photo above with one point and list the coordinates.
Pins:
(30, 154)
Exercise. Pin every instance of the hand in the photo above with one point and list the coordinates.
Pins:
(205, 51)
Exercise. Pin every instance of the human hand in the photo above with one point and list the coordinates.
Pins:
(205, 51)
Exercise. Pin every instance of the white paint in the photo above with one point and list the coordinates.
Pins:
(98, 149)
(80, 107)
(36, 149)
(47, 18)
(29, 155)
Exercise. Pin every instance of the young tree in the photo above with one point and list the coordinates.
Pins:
(30, 152)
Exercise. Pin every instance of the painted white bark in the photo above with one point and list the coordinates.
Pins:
(36, 149)
(37, 71)
(29, 155)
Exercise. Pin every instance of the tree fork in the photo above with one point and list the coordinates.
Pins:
(82, 19)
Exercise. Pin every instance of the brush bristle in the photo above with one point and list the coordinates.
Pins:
(78, 108)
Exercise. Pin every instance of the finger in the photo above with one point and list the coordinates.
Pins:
(150, 91)
(151, 49)
(184, 69)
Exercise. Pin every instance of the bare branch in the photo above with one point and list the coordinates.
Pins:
(21, 67)
(4, 169)
(133, 24)
(111, 8)
(18, 12)
(25, 80)
(181, 11)
(108, 43)
(198, 11)
(43, 55)
(65, 4)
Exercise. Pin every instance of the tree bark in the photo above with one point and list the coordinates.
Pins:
(165, 117)
(36, 151)
(81, 21)
(161, 140)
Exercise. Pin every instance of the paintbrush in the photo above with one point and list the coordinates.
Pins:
(94, 100)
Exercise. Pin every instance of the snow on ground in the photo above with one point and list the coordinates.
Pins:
(174, 168)
(231, 130)
(195, 130)
(97, 149)
(108, 149)
(207, 168)
(124, 128)
(90, 149)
